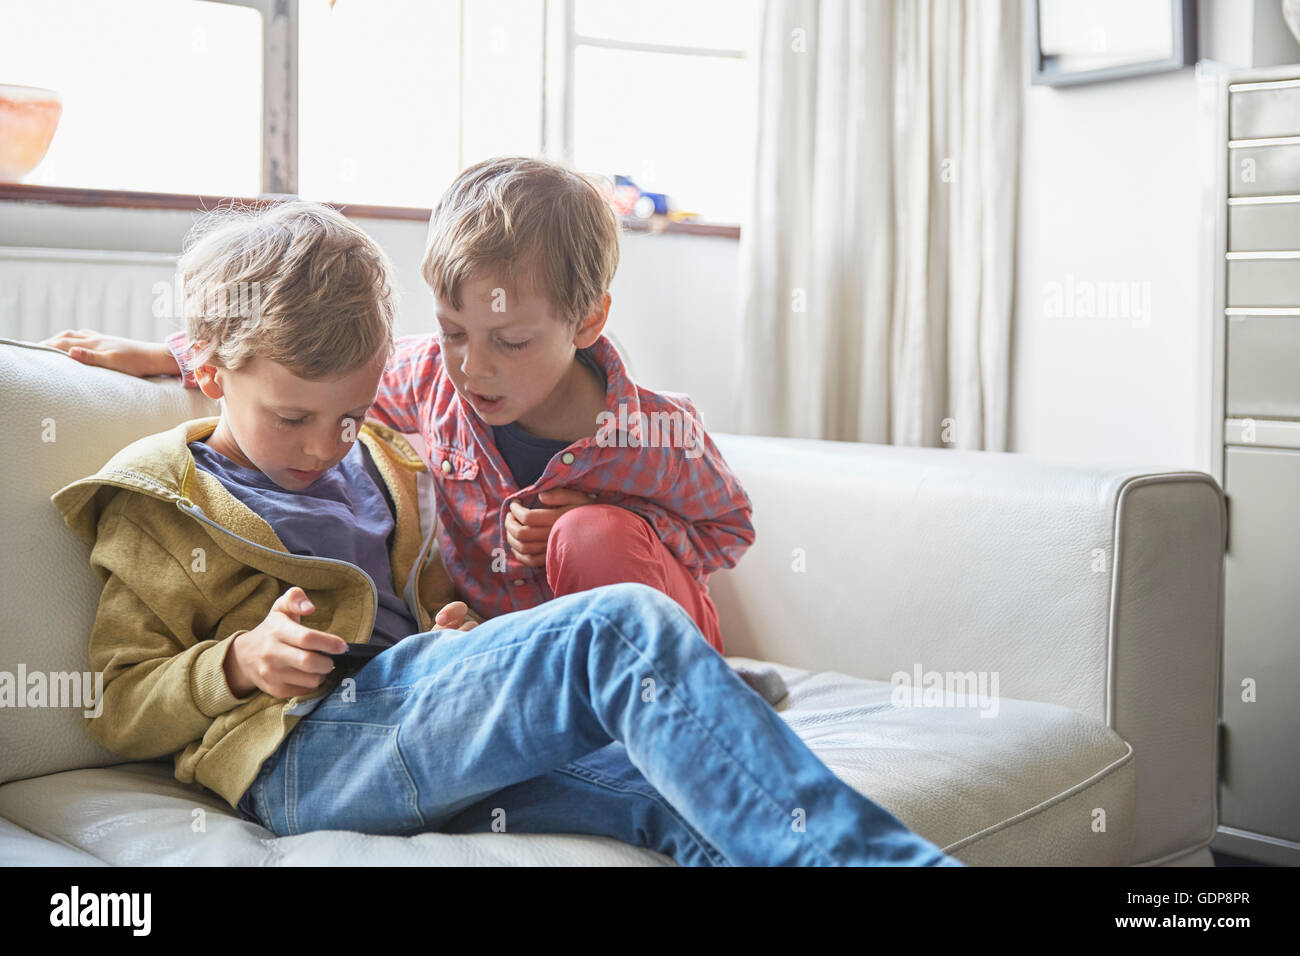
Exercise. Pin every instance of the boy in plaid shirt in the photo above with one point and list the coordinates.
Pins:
(556, 472)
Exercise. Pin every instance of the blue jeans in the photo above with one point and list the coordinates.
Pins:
(603, 712)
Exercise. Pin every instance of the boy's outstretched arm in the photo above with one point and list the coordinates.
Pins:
(132, 356)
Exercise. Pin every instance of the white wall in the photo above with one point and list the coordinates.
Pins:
(1110, 193)
(675, 314)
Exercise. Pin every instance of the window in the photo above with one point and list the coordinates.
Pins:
(665, 93)
(382, 102)
(158, 95)
(397, 96)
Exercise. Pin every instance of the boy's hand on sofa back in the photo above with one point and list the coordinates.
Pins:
(132, 356)
(280, 656)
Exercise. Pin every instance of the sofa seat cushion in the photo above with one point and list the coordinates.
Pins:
(1021, 786)
(139, 814)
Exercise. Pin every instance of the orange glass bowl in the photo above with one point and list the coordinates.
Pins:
(28, 119)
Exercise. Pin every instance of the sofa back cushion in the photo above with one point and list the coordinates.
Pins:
(60, 420)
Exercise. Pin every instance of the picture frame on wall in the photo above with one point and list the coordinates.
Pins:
(1072, 42)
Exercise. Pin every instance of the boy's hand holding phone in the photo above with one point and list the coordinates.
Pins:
(527, 529)
(280, 656)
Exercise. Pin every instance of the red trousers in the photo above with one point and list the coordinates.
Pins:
(597, 545)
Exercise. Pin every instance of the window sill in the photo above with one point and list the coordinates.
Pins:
(657, 224)
(130, 199)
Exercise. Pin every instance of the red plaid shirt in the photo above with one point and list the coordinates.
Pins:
(650, 455)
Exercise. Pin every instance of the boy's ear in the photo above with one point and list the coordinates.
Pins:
(209, 384)
(592, 325)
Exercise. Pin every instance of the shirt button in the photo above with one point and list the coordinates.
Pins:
(567, 458)
(446, 467)
(519, 582)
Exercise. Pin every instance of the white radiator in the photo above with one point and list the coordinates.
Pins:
(43, 291)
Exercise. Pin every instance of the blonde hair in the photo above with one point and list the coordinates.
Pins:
(295, 283)
(514, 216)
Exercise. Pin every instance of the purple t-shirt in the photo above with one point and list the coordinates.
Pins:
(345, 514)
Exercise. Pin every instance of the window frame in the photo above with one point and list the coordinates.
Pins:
(561, 42)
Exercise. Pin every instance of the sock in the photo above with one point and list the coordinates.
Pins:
(767, 682)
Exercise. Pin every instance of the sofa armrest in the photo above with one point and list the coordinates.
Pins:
(1092, 587)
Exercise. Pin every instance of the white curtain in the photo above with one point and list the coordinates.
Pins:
(878, 256)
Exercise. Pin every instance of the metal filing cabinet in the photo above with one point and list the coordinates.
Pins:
(1255, 206)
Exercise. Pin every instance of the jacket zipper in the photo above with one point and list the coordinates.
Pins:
(194, 511)
(412, 582)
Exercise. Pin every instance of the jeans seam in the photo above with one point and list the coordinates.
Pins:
(256, 792)
(609, 783)
(415, 789)
(291, 788)
(695, 719)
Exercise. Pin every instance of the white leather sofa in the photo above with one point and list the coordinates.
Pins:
(1093, 595)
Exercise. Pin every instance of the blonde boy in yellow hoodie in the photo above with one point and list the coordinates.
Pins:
(210, 647)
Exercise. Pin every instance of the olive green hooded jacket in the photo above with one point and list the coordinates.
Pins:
(186, 568)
